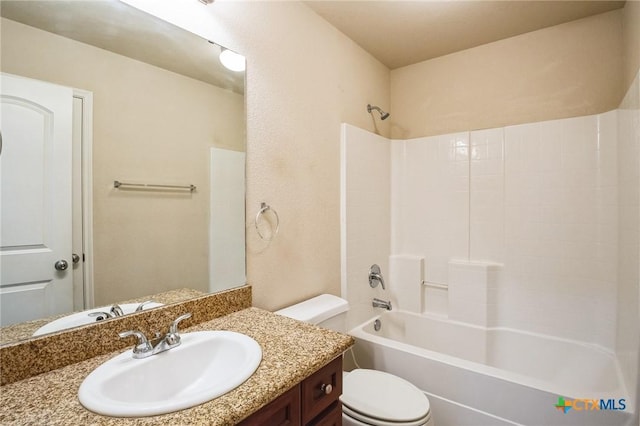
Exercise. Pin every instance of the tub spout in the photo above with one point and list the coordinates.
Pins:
(379, 303)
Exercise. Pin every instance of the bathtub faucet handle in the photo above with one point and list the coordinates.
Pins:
(375, 276)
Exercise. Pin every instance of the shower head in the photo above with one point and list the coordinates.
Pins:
(383, 115)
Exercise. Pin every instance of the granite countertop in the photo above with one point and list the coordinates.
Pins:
(291, 351)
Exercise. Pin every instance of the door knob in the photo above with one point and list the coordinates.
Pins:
(61, 265)
(75, 258)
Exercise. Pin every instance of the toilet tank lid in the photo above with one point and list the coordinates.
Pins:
(316, 309)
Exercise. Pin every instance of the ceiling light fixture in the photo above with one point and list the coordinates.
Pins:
(206, 2)
(232, 60)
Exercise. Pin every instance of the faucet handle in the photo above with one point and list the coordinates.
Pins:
(173, 338)
(375, 276)
(173, 328)
(141, 306)
(143, 344)
(116, 310)
(100, 315)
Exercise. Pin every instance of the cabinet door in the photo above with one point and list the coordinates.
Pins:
(285, 410)
(331, 417)
(321, 389)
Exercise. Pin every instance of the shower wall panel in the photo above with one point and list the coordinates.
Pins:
(430, 189)
(539, 199)
(364, 217)
(628, 308)
(560, 204)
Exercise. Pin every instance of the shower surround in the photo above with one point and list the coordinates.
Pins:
(524, 218)
(531, 227)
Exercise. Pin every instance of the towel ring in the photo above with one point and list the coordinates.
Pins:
(263, 208)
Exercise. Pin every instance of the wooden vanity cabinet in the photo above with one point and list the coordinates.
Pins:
(285, 410)
(313, 402)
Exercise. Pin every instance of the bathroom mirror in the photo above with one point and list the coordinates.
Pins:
(165, 112)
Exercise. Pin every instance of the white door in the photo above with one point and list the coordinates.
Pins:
(35, 199)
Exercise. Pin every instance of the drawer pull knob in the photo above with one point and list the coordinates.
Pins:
(326, 389)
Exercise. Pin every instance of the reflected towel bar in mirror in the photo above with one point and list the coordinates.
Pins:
(118, 184)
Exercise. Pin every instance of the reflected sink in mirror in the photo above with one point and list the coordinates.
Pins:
(85, 317)
(207, 364)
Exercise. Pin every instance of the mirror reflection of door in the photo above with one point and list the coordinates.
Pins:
(36, 198)
(164, 112)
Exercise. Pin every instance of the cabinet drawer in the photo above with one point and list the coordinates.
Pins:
(331, 417)
(321, 389)
(285, 410)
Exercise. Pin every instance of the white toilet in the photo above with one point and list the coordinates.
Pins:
(369, 397)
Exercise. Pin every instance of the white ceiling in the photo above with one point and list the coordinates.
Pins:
(396, 32)
(400, 33)
(120, 28)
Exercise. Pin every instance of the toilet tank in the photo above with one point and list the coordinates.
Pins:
(326, 310)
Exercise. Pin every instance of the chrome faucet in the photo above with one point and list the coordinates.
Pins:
(145, 348)
(115, 311)
(379, 303)
(375, 276)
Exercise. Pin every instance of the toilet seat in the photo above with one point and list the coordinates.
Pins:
(376, 397)
(359, 419)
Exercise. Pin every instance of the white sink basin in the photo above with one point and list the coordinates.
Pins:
(83, 318)
(207, 364)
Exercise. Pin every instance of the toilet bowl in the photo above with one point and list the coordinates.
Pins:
(369, 397)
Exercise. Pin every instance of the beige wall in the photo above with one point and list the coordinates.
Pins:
(304, 78)
(631, 41)
(150, 125)
(568, 70)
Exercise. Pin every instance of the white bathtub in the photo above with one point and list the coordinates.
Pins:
(478, 376)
